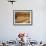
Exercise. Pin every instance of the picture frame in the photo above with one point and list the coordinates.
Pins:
(22, 17)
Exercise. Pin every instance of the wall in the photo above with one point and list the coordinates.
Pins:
(38, 29)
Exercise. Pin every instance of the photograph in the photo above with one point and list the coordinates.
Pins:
(22, 16)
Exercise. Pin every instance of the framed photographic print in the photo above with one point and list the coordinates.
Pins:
(22, 17)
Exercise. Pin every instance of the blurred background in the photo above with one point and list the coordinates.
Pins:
(8, 31)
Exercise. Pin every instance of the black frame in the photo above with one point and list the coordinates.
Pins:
(23, 10)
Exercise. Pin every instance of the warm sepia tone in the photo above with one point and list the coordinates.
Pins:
(22, 17)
